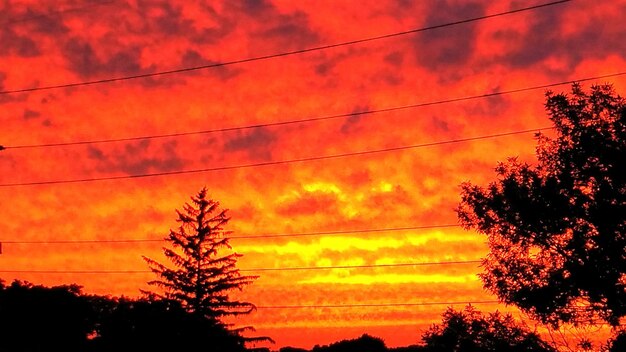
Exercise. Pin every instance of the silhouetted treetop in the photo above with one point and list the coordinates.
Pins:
(201, 278)
(557, 230)
(470, 331)
(365, 343)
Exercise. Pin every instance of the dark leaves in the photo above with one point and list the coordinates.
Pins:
(556, 230)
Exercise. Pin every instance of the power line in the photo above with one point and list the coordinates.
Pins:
(330, 267)
(313, 119)
(274, 235)
(458, 262)
(365, 305)
(279, 162)
(283, 54)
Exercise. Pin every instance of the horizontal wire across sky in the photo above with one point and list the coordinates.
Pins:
(365, 305)
(284, 54)
(330, 267)
(270, 235)
(314, 119)
(8, 148)
(278, 162)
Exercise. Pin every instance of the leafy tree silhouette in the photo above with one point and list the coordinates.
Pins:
(365, 343)
(37, 318)
(158, 325)
(470, 331)
(557, 230)
(201, 279)
(618, 344)
(292, 349)
(34, 318)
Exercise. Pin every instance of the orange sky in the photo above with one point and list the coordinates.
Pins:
(71, 41)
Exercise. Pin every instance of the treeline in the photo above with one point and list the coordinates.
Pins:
(462, 342)
(35, 318)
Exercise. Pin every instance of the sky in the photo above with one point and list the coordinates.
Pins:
(408, 178)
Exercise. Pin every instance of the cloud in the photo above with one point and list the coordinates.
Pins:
(351, 124)
(253, 7)
(538, 41)
(491, 107)
(569, 34)
(450, 47)
(394, 58)
(309, 204)
(192, 58)
(81, 57)
(329, 61)
(280, 31)
(16, 44)
(49, 24)
(166, 19)
(291, 32)
(163, 17)
(257, 143)
(358, 178)
(4, 97)
(26, 27)
(137, 158)
(31, 114)
(388, 200)
(83, 60)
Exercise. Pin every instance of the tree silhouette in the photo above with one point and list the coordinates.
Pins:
(470, 331)
(618, 344)
(557, 230)
(35, 318)
(201, 279)
(158, 325)
(365, 343)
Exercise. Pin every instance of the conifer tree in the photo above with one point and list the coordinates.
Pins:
(202, 276)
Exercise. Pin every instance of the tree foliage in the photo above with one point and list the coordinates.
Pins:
(201, 278)
(557, 230)
(365, 343)
(158, 325)
(470, 331)
(618, 344)
(35, 318)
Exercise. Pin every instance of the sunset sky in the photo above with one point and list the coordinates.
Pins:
(49, 43)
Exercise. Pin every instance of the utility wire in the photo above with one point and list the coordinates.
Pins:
(278, 162)
(273, 235)
(313, 119)
(365, 305)
(457, 262)
(283, 54)
(331, 267)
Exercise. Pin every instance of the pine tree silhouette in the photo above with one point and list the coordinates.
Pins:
(201, 278)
